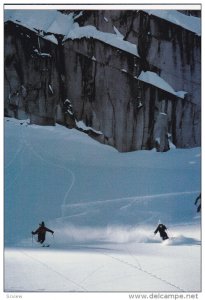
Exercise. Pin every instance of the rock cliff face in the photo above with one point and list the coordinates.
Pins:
(31, 75)
(86, 78)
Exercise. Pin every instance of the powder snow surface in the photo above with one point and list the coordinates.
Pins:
(104, 207)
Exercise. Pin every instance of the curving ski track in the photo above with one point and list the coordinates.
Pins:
(39, 156)
(132, 199)
(10, 163)
(19, 150)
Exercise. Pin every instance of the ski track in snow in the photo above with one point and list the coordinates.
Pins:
(119, 260)
(138, 267)
(82, 288)
(133, 199)
(92, 273)
(8, 186)
(39, 156)
(134, 257)
(19, 151)
(144, 271)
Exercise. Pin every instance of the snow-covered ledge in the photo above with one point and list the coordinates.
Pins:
(190, 23)
(157, 81)
(81, 125)
(115, 40)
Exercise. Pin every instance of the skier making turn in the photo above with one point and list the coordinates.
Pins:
(41, 231)
(162, 231)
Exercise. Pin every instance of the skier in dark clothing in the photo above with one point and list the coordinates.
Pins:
(162, 231)
(196, 201)
(41, 231)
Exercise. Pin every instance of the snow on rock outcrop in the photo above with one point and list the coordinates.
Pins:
(115, 40)
(155, 80)
(190, 23)
(135, 80)
(41, 20)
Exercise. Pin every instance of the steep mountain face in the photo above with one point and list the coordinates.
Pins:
(31, 75)
(132, 77)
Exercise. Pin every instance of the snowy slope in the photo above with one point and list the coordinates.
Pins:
(125, 267)
(103, 206)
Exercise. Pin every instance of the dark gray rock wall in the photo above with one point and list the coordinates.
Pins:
(31, 75)
(174, 51)
(169, 50)
(100, 81)
(104, 96)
